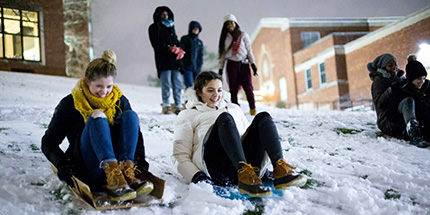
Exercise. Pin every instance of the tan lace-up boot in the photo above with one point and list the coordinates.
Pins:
(249, 182)
(284, 178)
(142, 187)
(117, 187)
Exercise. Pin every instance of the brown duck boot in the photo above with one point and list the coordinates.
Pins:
(141, 187)
(117, 187)
(284, 178)
(249, 182)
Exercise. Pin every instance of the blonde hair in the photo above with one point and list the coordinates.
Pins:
(103, 66)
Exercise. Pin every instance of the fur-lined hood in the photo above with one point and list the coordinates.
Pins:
(193, 102)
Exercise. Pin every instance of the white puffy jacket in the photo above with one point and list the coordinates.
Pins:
(191, 127)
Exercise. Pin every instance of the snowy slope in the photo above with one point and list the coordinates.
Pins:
(350, 169)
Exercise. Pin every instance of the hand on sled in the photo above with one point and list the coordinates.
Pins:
(66, 170)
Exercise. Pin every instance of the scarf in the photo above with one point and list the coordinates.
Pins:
(86, 103)
(167, 22)
(236, 45)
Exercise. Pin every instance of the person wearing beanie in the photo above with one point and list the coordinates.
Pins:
(105, 142)
(235, 48)
(395, 113)
(193, 46)
(415, 90)
(168, 55)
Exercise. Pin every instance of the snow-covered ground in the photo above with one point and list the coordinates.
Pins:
(350, 169)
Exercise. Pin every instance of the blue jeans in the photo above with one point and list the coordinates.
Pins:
(101, 143)
(189, 77)
(171, 79)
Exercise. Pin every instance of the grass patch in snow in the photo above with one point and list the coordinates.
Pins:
(347, 131)
(258, 210)
(34, 148)
(392, 194)
(4, 129)
(44, 126)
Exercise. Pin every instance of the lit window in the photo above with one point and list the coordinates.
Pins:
(308, 79)
(322, 73)
(309, 37)
(19, 34)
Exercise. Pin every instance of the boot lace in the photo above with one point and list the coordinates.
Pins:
(249, 170)
(285, 166)
(112, 178)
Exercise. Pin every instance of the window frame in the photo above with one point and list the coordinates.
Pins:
(321, 74)
(21, 34)
(308, 80)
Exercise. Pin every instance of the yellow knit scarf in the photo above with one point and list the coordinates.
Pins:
(86, 103)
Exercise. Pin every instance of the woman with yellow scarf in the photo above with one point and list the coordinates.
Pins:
(105, 142)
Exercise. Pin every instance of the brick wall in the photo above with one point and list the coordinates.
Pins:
(400, 43)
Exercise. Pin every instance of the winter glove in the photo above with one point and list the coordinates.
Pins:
(220, 72)
(201, 177)
(178, 51)
(254, 68)
(66, 169)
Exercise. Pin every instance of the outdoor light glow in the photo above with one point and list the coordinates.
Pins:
(423, 55)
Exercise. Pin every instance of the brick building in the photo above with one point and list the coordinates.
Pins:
(311, 63)
(32, 36)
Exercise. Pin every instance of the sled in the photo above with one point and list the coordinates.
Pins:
(101, 201)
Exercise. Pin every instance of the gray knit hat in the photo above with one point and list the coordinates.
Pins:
(380, 62)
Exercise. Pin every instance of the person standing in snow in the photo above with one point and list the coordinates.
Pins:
(395, 114)
(235, 47)
(167, 54)
(105, 142)
(213, 142)
(193, 46)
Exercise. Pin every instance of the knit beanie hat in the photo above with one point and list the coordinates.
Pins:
(230, 17)
(380, 62)
(414, 69)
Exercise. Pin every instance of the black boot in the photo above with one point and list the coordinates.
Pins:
(413, 130)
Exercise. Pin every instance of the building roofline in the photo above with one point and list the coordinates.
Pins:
(285, 23)
(387, 30)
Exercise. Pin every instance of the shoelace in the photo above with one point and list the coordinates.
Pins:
(250, 170)
(111, 178)
(285, 165)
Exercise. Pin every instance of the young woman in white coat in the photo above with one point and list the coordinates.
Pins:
(214, 142)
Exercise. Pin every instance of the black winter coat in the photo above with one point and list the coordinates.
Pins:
(389, 120)
(68, 122)
(193, 47)
(162, 38)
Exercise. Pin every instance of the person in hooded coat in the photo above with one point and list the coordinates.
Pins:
(235, 48)
(395, 114)
(193, 46)
(213, 142)
(167, 53)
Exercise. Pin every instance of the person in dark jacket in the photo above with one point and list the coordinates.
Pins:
(105, 142)
(394, 115)
(193, 46)
(167, 53)
(414, 90)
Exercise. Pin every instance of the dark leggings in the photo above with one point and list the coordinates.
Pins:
(224, 148)
(407, 109)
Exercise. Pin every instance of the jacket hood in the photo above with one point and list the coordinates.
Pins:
(192, 101)
(156, 16)
(194, 24)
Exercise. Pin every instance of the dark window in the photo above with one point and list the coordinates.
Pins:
(322, 73)
(309, 37)
(308, 79)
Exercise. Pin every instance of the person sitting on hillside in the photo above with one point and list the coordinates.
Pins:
(395, 113)
(105, 142)
(213, 142)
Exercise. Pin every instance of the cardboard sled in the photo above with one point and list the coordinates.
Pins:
(101, 201)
